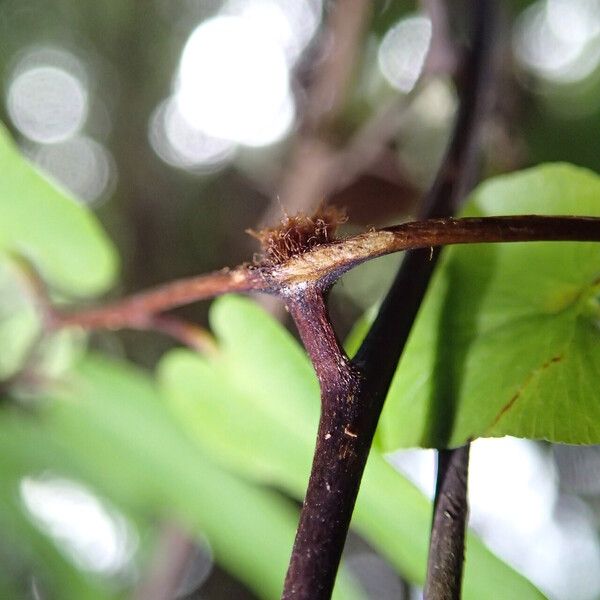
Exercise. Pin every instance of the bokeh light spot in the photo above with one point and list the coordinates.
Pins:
(233, 83)
(403, 51)
(47, 103)
(557, 40)
(95, 538)
(181, 145)
(291, 23)
(82, 165)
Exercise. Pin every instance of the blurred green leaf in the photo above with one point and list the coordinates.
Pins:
(507, 341)
(254, 406)
(19, 321)
(107, 426)
(24, 450)
(44, 224)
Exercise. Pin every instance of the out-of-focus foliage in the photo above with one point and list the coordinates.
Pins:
(36, 214)
(104, 120)
(106, 426)
(254, 408)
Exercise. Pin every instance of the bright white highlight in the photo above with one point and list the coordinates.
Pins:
(47, 97)
(558, 39)
(232, 87)
(233, 83)
(181, 145)
(291, 23)
(94, 538)
(80, 164)
(403, 51)
(47, 103)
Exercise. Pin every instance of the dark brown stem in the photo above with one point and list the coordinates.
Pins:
(340, 454)
(328, 262)
(447, 545)
(379, 353)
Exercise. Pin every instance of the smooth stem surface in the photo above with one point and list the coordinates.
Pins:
(386, 339)
(447, 545)
(339, 459)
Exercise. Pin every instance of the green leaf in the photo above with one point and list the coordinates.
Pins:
(19, 319)
(108, 427)
(42, 222)
(254, 407)
(507, 341)
(25, 450)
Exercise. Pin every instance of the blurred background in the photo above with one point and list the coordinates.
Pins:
(182, 123)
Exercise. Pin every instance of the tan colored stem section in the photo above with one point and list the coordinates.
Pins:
(331, 260)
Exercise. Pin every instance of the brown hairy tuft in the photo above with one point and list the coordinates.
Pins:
(298, 234)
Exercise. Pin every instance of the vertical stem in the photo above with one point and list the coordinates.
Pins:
(447, 545)
(353, 393)
(447, 542)
(385, 341)
(339, 459)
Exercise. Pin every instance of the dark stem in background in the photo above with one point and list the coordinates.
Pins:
(161, 581)
(446, 548)
(381, 349)
(450, 509)
(455, 177)
(310, 170)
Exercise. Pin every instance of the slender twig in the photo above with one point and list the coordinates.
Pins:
(135, 311)
(446, 548)
(447, 541)
(189, 334)
(325, 263)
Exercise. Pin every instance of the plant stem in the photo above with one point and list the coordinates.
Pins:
(379, 353)
(394, 321)
(324, 264)
(447, 545)
(340, 455)
(135, 311)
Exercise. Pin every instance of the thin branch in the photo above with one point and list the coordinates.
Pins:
(325, 263)
(168, 565)
(399, 310)
(135, 311)
(329, 261)
(189, 334)
(446, 549)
